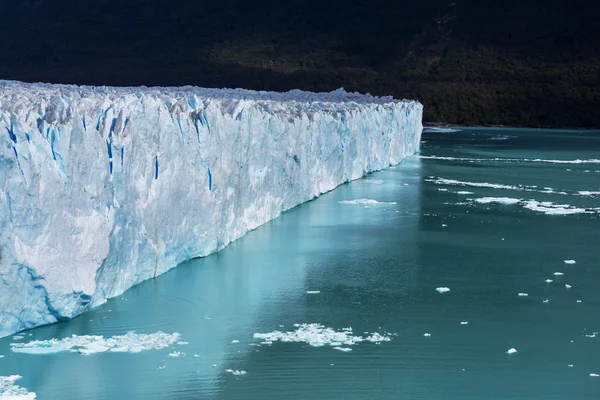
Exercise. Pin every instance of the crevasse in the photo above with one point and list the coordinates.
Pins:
(102, 188)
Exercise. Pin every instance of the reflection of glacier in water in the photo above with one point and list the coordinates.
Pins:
(344, 251)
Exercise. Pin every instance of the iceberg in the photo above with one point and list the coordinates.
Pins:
(102, 188)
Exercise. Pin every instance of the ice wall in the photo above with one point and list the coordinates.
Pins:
(102, 188)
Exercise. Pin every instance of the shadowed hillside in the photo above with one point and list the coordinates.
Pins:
(532, 63)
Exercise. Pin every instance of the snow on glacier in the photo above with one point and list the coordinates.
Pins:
(102, 188)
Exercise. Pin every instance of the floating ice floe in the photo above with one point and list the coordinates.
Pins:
(579, 301)
(11, 391)
(367, 202)
(236, 372)
(427, 334)
(373, 181)
(550, 208)
(317, 335)
(235, 341)
(464, 323)
(344, 349)
(444, 225)
(313, 291)
(130, 342)
(501, 200)
(594, 375)
(570, 261)
(588, 193)
(511, 351)
(442, 290)
(568, 286)
(546, 301)
(176, 354)
(548, 281)
(442, 190)
(532, 160)
(523, 294)
(18, 337)
(546, 207)
(454, 182)
(440, 130)
(502, 137)
(558, 274)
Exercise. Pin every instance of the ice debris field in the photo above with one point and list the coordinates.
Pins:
(102, 188)
(545, 207)
(317, 335)
(9, 390)
(129, 343)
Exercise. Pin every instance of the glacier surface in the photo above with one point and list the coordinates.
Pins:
(102, 188)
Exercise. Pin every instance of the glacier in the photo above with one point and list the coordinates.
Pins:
(102, 188)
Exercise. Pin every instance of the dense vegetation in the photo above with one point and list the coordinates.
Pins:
(512, 62)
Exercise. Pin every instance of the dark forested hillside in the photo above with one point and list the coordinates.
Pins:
(510, 62)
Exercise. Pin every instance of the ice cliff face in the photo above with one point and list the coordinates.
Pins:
(102, 188)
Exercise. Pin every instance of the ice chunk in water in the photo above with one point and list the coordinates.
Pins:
(367, 202)
(130, 342)
(511, 351)
(11, 391)
(236, 372)
(442, 290)
(344, 349)
(317, 335)
(501, 200)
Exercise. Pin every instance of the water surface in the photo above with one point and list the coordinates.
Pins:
(377, 267)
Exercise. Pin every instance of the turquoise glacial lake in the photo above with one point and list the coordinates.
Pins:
(490, 214)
